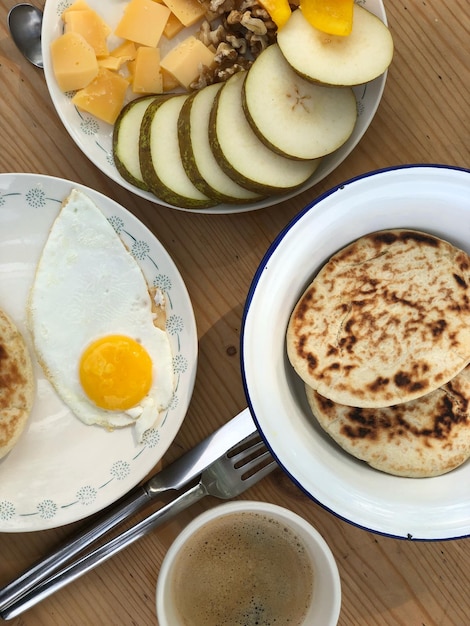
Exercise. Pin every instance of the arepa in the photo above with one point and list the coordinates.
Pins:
(16, 384)
(426, 437)
(385, 321)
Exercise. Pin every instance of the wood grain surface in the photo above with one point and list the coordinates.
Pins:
(423, 118)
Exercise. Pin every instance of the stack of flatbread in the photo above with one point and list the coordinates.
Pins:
(381, 339)
(16, 384)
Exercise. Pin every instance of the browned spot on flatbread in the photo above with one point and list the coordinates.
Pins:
(379, 383)
(460, 281)
(371, 423)
(408, 381)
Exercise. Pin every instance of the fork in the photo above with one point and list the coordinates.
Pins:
(230, 475)
(170, 480)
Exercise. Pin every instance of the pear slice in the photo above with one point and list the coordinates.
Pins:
(198, 159)
(355, 59)
(293, 116)
(160, 157)
(242, 155)
(126, 134)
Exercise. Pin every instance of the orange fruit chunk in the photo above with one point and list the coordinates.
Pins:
(279, 10)
(334, 17)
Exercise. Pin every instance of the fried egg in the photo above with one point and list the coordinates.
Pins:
(93, 323)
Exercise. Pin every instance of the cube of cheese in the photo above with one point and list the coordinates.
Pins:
(147, 77)
(104, 96)
(143, 22)
(110, 62)
(93, 28)
(187, 11)
(130, 66)
(184, 61)
(73, 61)
(169, 81)
(126, 51)
(172, 27)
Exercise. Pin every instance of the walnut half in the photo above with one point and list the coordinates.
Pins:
(239, 30)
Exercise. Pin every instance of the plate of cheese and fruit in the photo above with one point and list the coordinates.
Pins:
(108, 326)
(210, 109)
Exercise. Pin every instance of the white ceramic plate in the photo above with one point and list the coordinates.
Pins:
(94, 137)
(62, 470)
(430, 198)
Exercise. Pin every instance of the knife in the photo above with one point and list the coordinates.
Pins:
(238, 469)
(173, 477)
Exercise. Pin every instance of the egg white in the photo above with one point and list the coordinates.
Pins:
(87, 285)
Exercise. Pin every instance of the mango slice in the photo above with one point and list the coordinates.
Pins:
(334, 17)
(279, 10)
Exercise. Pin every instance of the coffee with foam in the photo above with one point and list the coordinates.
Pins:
(243, 569)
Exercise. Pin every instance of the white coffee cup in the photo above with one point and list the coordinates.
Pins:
(322, 597)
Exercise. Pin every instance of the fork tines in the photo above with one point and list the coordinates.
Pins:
(251, 456)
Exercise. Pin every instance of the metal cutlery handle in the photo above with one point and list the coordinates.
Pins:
(126, 507)
(243, 465)
(100, 554)
(175, 476)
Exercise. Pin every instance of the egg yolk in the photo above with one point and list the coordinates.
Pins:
(116, 372)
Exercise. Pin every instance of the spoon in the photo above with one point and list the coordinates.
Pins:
(25, 21)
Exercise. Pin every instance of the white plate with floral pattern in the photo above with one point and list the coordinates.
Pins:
(94, 137)
(62, 470)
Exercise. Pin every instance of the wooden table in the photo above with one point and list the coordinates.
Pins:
(423, 118)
